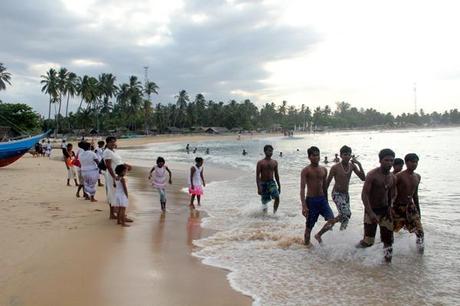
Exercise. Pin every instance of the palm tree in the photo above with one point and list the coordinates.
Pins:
(5, 77)
(50, 87)
(149, 88)
(71, 89)
(181, 104)
(82, 88)
(62, 80)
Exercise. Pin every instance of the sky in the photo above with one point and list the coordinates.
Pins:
(317, 53)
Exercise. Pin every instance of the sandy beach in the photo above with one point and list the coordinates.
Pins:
(60, 250)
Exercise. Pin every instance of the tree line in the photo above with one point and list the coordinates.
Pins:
(106, 105)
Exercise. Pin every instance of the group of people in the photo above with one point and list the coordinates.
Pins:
(42, 149)
(390, 199)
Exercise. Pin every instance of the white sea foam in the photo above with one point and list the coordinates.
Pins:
(265, 252)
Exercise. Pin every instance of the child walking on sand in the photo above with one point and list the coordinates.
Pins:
(196, 182)
(121, 194)
(158, 177)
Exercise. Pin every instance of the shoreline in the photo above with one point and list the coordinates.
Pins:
(76, 249)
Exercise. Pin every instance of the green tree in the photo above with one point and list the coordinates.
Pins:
(5, 77)
(149, 89)
(50, 87)
(20, 117)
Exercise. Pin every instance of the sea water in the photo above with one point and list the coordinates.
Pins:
(265, 252)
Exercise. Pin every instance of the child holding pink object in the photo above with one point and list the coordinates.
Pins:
(196, 182)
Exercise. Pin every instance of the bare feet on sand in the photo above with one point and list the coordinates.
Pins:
(318, 238)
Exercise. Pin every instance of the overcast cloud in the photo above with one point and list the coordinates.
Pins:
(366, 53)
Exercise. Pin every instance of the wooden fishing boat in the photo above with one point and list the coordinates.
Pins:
(11, 151)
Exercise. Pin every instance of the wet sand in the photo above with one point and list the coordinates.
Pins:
(60, 250)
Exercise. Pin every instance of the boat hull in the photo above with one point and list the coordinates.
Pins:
(13, 150)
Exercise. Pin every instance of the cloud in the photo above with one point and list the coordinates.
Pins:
(201, 46)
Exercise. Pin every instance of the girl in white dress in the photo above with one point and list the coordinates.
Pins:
(121, 194)
(196, 182)
(158, 178)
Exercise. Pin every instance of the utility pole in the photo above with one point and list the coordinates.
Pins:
(146, 79)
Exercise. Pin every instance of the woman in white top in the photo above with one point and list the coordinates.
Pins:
(196, 182)
(112, 160)
(89, 170)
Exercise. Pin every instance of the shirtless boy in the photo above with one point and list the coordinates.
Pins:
(266, 186)
(315, 204)
(341, 173)
(406, 209)
(398, 164)
(378, 193)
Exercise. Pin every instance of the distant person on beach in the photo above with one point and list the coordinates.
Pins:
(281, 154)
(48, 149)
(336, 158)
(267, 188)
(187, 148)
(325, 160)
(63, 144)
(341, 173)
(99, 152)
(112, 160)
(398, 165)
(194, 150)
(69, 157)
(120, 200)
(158, 178)
(89, 170)
(244, 152)
(196, 182)
(378, 193)
(406, 208)
(315, 203)
(207, 151)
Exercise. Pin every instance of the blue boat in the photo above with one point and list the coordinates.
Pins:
(11, 151)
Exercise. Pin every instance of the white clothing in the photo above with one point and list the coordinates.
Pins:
(71, 173)
(99, 152)
(90, 178)
(159, 177)
(196, 176)
(87, 160)
(121, 200)
(116, 160)
(113, 156)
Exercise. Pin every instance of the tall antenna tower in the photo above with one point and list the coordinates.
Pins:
(146, 74)
(415, 98)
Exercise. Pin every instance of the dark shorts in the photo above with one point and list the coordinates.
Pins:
(269, 191)
(318, 206)
(385, 222)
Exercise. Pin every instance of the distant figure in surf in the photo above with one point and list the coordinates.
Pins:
(267, 188)
(398, 165)
(341, 173)
(244, 152)
(406, 208)
(378, 193)
(315, 203)
(336, 158)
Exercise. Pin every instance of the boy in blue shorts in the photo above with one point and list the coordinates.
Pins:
(315, 204)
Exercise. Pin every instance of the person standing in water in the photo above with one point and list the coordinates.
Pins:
(266, 186)
(315, 203)
(196, 182)
(378, 193)
(341, 173)
(406, 208)
(158, 177)
(398, 165)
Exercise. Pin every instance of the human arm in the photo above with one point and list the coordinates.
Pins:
(277, 177)
(359, 172)
(330, 177)
(365, 198)
(302, 193)
(415, 197)
(108, 164)
(192, 172)
(202, 177)
(170, 175)
(259, 191)
(125, 188)
(325, 183)
(150, 173)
